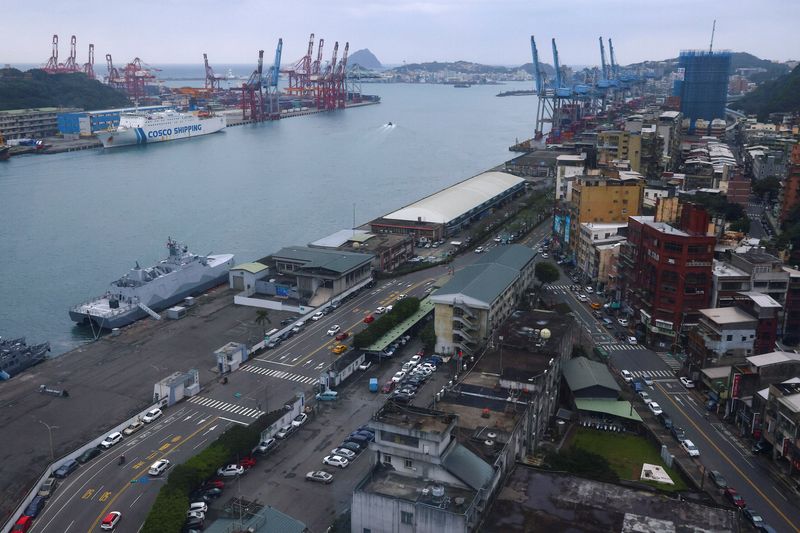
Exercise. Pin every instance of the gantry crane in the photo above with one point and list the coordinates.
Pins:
(252, 96)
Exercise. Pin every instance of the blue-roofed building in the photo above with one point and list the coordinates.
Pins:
(86, 123)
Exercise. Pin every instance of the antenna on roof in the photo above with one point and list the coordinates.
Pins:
(713, 29)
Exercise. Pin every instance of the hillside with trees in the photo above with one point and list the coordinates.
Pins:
(36, 88)
(781, 95)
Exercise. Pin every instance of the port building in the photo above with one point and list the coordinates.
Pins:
(86, 123)
(31, 123)
(446, 212)
(390, 250)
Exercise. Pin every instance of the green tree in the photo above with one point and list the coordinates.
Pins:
(262, 318)
(546, 272)
(428, 337)
(769, 187)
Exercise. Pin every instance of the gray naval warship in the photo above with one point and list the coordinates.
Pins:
(16, 356)
(144, 291)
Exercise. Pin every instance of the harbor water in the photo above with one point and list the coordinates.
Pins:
(72, 223)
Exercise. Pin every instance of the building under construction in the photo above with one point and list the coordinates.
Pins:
(704, 88)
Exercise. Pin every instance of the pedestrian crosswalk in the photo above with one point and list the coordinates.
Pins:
(621, 347)
(225, 406)
(671, 362)
(279, 374)
(655, 374)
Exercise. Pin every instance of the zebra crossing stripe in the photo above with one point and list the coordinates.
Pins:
(225, 406)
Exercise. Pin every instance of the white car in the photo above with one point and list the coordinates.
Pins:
(336, 460)
(231, 471)
(195, 514)
(627, 376)
(655, 408)
(544, 255)
(583, 298)
(589, 289)
(158, 468)
(407, 366)
(690, 448)
(401, 297)
(111, 440)
(151, 415)
(389, 308)
(110, 521)
(623, 322)
(299, 420)
(688, 383)
(334, 330)
(398, 377)
(415, 359)
(380, 310)
(343, 452)
(479, 249)
(199, 506)
(319, 476)
(647, 380)
(285, 432)
(632, 340)
(645, 397)
(365, 365)
(316, 316)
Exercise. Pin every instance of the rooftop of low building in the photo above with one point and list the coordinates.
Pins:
(414, 418)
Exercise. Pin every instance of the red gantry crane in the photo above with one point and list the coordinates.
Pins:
(88, 67)
(252, 95)
(212, 79)
(52, 64)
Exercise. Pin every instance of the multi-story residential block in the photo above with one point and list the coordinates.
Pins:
(592, 236)
(767, 275)
(568, 166)
(781, 426)
(727, 282)
(617, 145)
(790, 192)
(722, 336)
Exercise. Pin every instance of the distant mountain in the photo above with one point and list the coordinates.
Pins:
(36, 88)
(365, 58)
(463, 66)
(547, 69)
(780, 95)
(738, 60)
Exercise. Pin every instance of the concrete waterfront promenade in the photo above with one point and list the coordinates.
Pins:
(108, 381)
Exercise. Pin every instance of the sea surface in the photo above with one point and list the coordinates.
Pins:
(72, 223)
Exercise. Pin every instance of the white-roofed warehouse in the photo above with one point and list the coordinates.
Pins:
(445, 212)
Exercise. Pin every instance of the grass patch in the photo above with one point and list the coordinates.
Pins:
(626, 454)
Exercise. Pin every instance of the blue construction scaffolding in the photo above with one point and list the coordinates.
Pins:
(704, 88)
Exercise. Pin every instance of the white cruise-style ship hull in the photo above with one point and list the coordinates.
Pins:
(165, 127)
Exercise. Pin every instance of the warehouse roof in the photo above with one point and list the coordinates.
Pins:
(334, 240)
(320, 258)
(477, 285)
(619, 408)
(513, 255)
(582, 373)
(451, 203)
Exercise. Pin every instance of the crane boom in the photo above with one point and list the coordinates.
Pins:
(603, 60)
(317, 65)
(614, 72)
(276, 67)
(537, 70)
(556, 65)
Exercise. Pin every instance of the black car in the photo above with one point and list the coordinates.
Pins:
(208, 494)
(88, 455)
(678, 433)
(35, 507)
(193, 524)
(762, 446)
(352, 446)
(665, 420)
(66, 469)
(286, 321)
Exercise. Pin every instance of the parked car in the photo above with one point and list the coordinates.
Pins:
(365, 365)
(316, 316)
(48, 487)
(735, 498)
(665, 420)
(336, 460)
(230, 471)
(655, 408)
(678, 433)
(265, 446)
(645, 397)
(369, 319)
(284, 432)
(388, 387)
(380, 310)
(583, 298)
(110, 521)
(320, 476)
(22, 525)
(133, 428)
(247, 462)
(343, 452)
(690, 448)
(159, 467)
(718, 479)
(327, 396)
(66, 468)
(88, 455)
(199, 506)
(762, 446)
(35, 507)
(299, 420)
(753, 517)
(688, 383)
(623, 322)
(152, 415)
(207, 494)
(111, 440)
(352, 446)
(342, 336)
(627, 376)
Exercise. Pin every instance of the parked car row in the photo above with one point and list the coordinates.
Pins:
(411, 377)
(345, 453)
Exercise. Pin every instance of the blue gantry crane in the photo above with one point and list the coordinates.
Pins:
(271, 83)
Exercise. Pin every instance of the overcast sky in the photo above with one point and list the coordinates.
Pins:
(486, 31)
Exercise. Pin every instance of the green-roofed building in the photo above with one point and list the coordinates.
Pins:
(481, 296)
(243, 277)
(588, 379)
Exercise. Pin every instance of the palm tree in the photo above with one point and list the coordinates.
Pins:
(262, 318)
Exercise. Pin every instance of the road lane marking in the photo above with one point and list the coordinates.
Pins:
(136, 500)
(88, 494)
(733, 465)
(103, 497)
(69, 526)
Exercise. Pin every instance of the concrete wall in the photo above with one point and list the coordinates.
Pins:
(382, 514)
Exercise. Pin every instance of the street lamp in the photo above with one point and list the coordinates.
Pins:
(50, 432)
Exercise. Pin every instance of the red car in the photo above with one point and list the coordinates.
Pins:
(342, 336)
(388, 387)
(735, 498)
(23, 524)
(368, 319)
(247, 462)
(213, 484)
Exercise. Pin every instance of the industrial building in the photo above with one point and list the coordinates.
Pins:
(85, 123)
(704, 88)
(446, 212)
(31, 123)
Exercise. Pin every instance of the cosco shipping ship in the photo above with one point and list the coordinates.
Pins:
(144, 291)
(159, 126)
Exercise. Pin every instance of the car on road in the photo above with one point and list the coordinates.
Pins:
(66, 468)
(344, 452)
(582, 298)
(596, 306)
(327, 396)
(133, 428)
(88, 455)
(152, 415)
(623, 322)
(339, 349)
(110, 521)
(633, 340)
(678, 433)
(159, 467)
(284, 432)
(627, 376)
(398, 377)
(753, 517)
(688, 383)
(230, 471)
(265, 446)
(479, 249)
(761, 446)
(665, 420)
(647, 380)
(299, 420)
(544, 255)
(655, 408)
(369, 319)
(735, 498)
(320, 476)
(389, 308)
(48, 487)
(589, 289)
(318, 315)
(645, 397)
(247, 462)
(718, 479)
(380, 310)
(336, 460)
(690, 448)
(342, 336)
(111, 440)
(333, 330)
(35, 507)
(365, 365)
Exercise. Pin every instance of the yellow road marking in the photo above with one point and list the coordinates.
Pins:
(730, 462)
(138, 465)
(88, 494)
(103, 497)
(104, 512)
(164, 447)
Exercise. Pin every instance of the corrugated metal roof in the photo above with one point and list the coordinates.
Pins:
(468, 467)
(333, 260)
(451, 203)
(253, 268)
(582, 373)
(619, 408)
(334, 240)
(483, 283)
(513, 255)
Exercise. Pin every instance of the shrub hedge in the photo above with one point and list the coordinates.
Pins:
(400, 311)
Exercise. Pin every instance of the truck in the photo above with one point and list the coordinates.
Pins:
(373, 384)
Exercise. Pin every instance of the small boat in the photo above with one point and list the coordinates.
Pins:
(390, 124)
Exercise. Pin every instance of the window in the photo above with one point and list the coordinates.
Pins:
(387, 459)
(406, 517)
(409, 463)
(744, 338)
(367, 530)
(730, 337)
